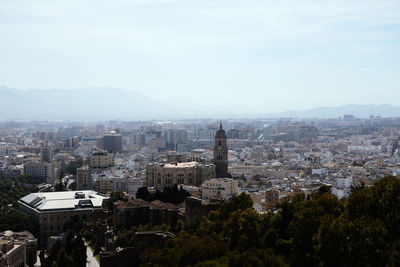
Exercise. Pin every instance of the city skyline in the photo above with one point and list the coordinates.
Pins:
(199, 133)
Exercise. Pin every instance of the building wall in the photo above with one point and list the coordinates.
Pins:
(140, 212)
(113, 142)
(161, 176)
(101, 160)
(221, 154)
(51, 222)
(221, 189)
(196, 210)
(40, 170)
(84, 179)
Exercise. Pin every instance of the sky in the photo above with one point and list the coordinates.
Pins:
(239, 55)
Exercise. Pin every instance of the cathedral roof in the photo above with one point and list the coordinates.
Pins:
(220, 131)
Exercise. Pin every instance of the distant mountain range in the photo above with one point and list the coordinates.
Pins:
(80, 104)
(111, 103)
(359, 111)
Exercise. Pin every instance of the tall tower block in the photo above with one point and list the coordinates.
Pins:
(221, 153)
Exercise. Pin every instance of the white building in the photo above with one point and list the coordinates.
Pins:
(319, 172)
(343, 186)
(220, 188)
(51, 210)
(128, 185)
(343, 183)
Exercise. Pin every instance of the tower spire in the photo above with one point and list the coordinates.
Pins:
(220, 153)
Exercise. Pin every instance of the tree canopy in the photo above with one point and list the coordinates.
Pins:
(74, 165)
(361, 230)
(170, 194)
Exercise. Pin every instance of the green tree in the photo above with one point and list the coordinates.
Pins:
(143, 193)
(14, 220)
(74, 165)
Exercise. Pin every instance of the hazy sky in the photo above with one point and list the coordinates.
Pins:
(253, 56)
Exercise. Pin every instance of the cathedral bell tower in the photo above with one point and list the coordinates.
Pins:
(221, 153)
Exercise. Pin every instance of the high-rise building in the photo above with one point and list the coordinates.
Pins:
(101, 160)
(40, 170)
(113, 142)
(84, 178)
(71, 143)
(46, 153)
(221, 153)
(173, 137)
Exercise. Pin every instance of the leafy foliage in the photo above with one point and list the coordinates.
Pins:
(68, 252)
(60, 186)
(320, 231)
(169, 194)
(28, 179)
(126, 237)
(74, 165)
(11, 190)
(114, 196)
(71, 250)
(14, 220)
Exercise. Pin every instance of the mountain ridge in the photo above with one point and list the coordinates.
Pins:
(107, 103)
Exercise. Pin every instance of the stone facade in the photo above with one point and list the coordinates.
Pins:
(140, 212)
(17, 248)
(196, 209)
(221, 153)
(187, 173)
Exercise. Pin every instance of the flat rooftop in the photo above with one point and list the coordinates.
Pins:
(66, 200)
(183, 165)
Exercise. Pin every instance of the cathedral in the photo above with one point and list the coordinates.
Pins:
(221, 153)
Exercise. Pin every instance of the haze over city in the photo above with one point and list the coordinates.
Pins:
(199, 133)
(235, 57)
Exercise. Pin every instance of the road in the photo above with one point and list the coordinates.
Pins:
(91, 260)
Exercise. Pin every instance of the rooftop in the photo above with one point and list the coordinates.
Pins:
(66, 200)
(182, 165)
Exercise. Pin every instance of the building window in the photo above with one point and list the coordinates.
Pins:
(181, 181)
(158, 181)
(219, 143)
(168, 181)
(190, 181)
